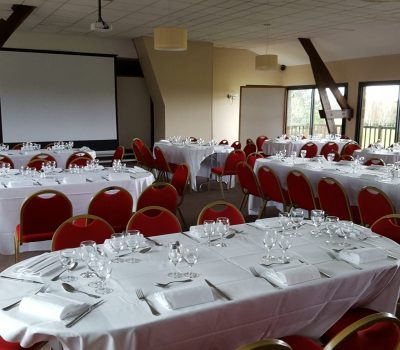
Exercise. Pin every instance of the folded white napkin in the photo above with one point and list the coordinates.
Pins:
(51, 306)
(197, 231)
(41, 267)
(74, 179)
(164, 141)
(362, 255)
(185, 296)
(297, 274)
(118, 176)
(267, 223)
(20, 183)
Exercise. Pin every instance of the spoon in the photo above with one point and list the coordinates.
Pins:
(228, 236)
(55, 278)
(72, 289)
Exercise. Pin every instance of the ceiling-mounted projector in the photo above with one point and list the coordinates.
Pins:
(100, 25)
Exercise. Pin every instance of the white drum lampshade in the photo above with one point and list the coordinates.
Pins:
(170, 39)
(267, 62)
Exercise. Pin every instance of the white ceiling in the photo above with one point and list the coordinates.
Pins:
(340, 29)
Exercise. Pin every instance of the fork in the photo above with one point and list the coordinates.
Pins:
(142, 297)
(255, 273)
(11, 306)
(164, 285)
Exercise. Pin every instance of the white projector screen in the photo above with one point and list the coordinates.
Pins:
(55, 96)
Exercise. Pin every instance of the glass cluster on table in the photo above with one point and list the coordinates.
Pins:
(30, 146)
(62, 145)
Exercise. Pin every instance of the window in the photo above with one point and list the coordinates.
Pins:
(378, 113)
(303, 105)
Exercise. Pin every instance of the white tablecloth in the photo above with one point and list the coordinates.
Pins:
(258, 310)
(21, 158)
(196, 156)
(342, 172)
(387, 156)
(79, 194)
(271, 147)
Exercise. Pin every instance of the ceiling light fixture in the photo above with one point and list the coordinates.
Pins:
(100, 25)
(267, 61)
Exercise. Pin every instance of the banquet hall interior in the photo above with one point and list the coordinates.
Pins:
(277, 108)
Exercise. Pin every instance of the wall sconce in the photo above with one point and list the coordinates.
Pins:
(231, 97)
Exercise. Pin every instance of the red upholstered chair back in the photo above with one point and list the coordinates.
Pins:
(311, 148)
(333, 199)
(329, 147)
(45, 157)
(5, 159)
(224, 142)
(252, 157)
(346, 157)
(80, 161)
(249, 141)
(36, 164)
(374, 161)
(388, 226)
(136, 146)
(180, 179)
(160, 161)
(270, 184)
(147, 157)
(113, 204)
(76, 155)
(236, 145)
(248, 180)
(160, 194)
(373, 204)
(118, 153)
(17, 146)
(349, 148)
(232, 161)
(154, 221)
(249, 148)
(81, 228)
(218, 209)
(260, 141)
(267, 344)
(300, 190)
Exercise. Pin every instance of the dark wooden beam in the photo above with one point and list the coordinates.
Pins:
(324, 81)
(20, 13)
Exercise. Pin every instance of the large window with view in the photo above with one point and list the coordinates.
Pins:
(302, 112)
(378, 119)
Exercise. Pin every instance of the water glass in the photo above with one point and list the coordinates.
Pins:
(317, 218)
(68, 258)
(346, 228)
(209, 227)
(296, 217)
(269, 241)
(331, 227)
(284, 220)
(118, 244)
(293, 156)
(303, 153)
(103, 270)
(134, 240)
(174, 256)
(330, 157)
(285, 242)
(191, 254)
(222, 225)
(87, 249)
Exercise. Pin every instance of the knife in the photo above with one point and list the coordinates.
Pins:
(158, 244)
(21, 279)
(219, 291)
(192, 238)
(84, 313)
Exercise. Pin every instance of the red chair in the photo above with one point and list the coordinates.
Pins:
(5, 345)
(388, 226)
(329, 147)
(40, 215)
(76, 155)
(147, 158)
(160, 194)
(5, 159)
(333, 200)
(266, 344)
(299, 342)
(249, 148)
(300, 191)
(236, 145)
(180, 180)
(17, 146)
(271, 187)
(311, 148)
(118, 154)
(252, 157)
(192, 139)
(164, 168)
(136, 147)
(36, 164)
(113, 204)
(218, 209)
(260, 141)
(229, 168)
(154, 221)
(373, 204)
(249, 141)
(44, 157)
(81, 228)
(80, 161)
(249, 184)
(224, 142)
(346, 157)
(337, 156)
(374, 161)
(363, 329)
(349, 148)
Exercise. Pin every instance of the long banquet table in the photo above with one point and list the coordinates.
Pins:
(271, 147)
(11, 198)
(196, 156)
(257, 310)
(21, 157)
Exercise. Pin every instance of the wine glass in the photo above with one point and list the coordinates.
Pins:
(269, 241)
(303, 153)
(285, 242)
(174, 256)
(209, 227)
(103, 270)
(346, 228)
(293, 156)
(297, 216)
(134, 240)
(317, 218)
(191, 254)
(117, 243)
(331, 226)
(222, 225)
(284, 219)
(87, 248)
(68, 258)
(330, 157)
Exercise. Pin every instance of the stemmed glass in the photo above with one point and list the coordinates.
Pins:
(103, 270)
(317, 218)
(346, 228)
(330, 158)
(208, 227)
(175, 256)
(134, 239)
(269, 242)
(331, 226)
(117, 243)
(303, 153)
(68, 258)
(294, 156)
(87, 249)
(284, 219)
(297, 216)
(222, 224)
(191, 254)
(285, 242)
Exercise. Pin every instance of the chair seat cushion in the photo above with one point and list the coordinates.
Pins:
(298, 342)
(33, 237)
